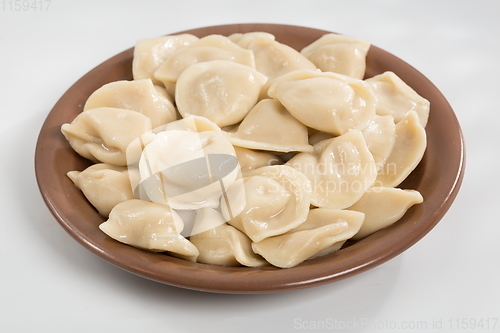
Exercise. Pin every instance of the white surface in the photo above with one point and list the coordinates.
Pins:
(50, 283)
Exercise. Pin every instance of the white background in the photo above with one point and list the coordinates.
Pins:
(50, 283)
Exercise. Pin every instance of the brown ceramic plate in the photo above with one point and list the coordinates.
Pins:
(438, 178)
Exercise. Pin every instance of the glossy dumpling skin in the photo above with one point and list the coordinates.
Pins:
(222, 91)
(339, 54)
(212, 47)
(276, 200)
(323, 229)
(272, 58)
(380, 137)
(137, 95)
(340, 169)
(245, 39)
(269, 126)
(150, 226)
(250, 159)
(383, 206)
(409, 148)
(396, 98)
(103, 134)
(220, 243)
(104, 185)
(149, 54)
(339, 103)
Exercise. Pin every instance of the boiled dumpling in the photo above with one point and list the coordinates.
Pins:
(339, 103)
(250, 159)
(212, 47)
(137, 95)
(103, 134)
(340, 169)
(272, 58)
(380, 136)
(149, 54)
(269, 126)
(222, 91)
(276, 200)
(409, 148)
(244, 39)
(323, 229)
(186, 169)
(383, 206)
(104, 185)
(396, 98)
(220, 243)
(148, 225)
(339, 54)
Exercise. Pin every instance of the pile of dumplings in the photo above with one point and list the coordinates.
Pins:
(242, 151)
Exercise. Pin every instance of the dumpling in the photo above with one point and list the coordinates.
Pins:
(272, 58)
(103, 134)
(409, 148)
(222, 91)
(396, 98)
(148, 225)
(187, 169)
(323, 229)
(244, 39)
(220, 243)
(104, 185)
(276, 200)
(383, 206)
(137, 95)
(149, 54)
(340, 169)
(269, 126)
(212, 47)
(252, 159)
(380, 137)
(339, 54)
(339, 103)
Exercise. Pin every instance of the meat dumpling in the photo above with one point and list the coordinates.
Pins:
(103, 134)
(208, 48)
(396, 98)
(276, 200)
(340, 169)
(338, 102)
(222, 91)
(380, 137)
(272, 58)
(137, 95)
(409, 148)
(220, 243)
(148, 225)
(149, 54)
(323, 229)
(269, 126)
(383, 206)
(104, 185)
(339, 54)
